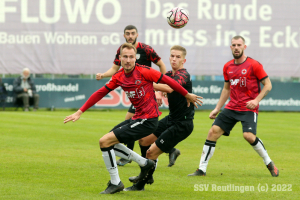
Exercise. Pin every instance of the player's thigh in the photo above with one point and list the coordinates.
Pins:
(226, 120)
(174, 134)
(148, 140)
(136, 129)
(163, 124)
(121, 124)
(108, 140)
(249, 122)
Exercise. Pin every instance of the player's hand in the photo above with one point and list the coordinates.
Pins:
(99, 76)
(165, 94)
(252, 104)
(25, 89)
(213, 114)
(74, 117)
(194, 99)
(158, 98)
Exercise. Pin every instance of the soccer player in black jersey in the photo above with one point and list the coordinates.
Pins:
(176, 126)
(145, 56)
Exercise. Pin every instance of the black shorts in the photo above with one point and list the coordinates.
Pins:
(227, 119)
(131, 109)
(132, 130)
(169, 133)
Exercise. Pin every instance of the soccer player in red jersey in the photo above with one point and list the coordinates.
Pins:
(137, 82)
(243, 76)
(145, 56)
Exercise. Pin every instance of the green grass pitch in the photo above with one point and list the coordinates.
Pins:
(42, 158)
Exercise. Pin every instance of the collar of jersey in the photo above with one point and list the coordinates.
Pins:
(129, 74)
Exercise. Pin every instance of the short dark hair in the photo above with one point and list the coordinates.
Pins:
(238, 37)
(128, 46)
(130, 27)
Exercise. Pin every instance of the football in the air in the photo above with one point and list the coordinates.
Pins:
(178, 17)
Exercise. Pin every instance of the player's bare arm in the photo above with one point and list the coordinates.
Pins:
(162, 66)
(159, 90)
(266, 89)
(223, 98)
(74, 117)
(194, 99)
(108, 73)
(162, 88)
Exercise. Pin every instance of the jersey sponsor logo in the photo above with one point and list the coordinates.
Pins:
(138, 56)
(161, 141)
(138, 93)
(244, 71)
(234, 81)
(130, 94)
(241, 80)
(230, 72)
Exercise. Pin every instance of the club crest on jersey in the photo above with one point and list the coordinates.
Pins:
(138, 82)
(244, 71)
(138, 56)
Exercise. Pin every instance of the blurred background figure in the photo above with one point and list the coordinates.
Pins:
(3, 94)
(25, 90)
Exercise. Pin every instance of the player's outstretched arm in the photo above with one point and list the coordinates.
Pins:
(223, 98)
(74, 117)
(192, 98)
(108, 73)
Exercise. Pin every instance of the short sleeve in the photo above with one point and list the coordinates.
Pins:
(113, 83)
(182, 78)
(117, 60)
(151, 54)
(259, 71)
(225, 73)
(151, 74)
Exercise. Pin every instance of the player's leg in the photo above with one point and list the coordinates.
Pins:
(132, 131)
(249, 124)
(222, 125)
(173, 133)
(110, 146)
(145, 144)
(107, 143)
(173, 155)
(130, 144)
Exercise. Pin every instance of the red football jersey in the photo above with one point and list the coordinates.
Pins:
(138, 86)
(244, 81)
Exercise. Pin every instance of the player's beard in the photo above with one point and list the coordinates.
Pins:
(133, 43)
(128, 70)
(238, 56)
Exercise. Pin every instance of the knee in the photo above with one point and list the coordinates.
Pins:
(214, 133)
(250, 137)
(102, 143)
(149, 154)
